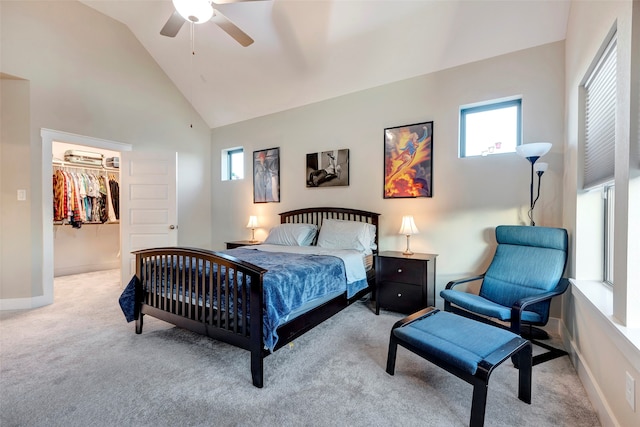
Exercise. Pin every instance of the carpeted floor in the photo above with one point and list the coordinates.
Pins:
(78, 363)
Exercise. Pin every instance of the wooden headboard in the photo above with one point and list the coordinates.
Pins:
(317, 215)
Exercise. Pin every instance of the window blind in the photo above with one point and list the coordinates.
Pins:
(600, 120)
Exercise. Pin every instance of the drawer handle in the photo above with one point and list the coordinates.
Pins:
(399, 295)
(399, 270)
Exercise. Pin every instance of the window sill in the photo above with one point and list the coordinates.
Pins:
(600, 298)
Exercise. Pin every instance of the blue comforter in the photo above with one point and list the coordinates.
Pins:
(292, 280)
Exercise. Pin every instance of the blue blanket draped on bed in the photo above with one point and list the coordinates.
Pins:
(291, 281)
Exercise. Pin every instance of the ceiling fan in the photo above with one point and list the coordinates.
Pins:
(199, 12)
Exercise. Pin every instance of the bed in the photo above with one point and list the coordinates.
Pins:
(229, 296)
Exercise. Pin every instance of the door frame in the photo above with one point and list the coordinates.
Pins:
(48, 136)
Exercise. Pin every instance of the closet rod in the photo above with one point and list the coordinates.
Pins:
(87, 223)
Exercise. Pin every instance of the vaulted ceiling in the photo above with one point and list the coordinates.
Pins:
(310, 50)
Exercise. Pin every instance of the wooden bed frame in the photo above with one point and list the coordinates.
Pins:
(240, 328)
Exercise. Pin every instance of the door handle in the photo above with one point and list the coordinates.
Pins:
(172, 227)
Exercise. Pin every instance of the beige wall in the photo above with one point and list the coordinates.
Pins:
(88, 75)
(14, 97)
(470, 196)
(603, 349)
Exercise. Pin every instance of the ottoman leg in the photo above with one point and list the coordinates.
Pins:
(478, 403)
(391, 356)
(525, 363)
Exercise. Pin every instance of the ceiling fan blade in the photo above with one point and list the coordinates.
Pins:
(231, 29)
(173, 25)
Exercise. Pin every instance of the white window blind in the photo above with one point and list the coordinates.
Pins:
(600, 120)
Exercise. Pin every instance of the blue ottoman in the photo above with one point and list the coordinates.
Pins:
(466, 348)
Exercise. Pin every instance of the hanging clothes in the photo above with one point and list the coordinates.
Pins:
(83, 196)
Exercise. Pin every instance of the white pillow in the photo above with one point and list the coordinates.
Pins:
(341, 234)
(292, 234)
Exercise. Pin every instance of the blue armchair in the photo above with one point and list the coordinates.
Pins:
(525, 273)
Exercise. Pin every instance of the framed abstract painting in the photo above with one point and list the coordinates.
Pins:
(408, 161)
(266, 175)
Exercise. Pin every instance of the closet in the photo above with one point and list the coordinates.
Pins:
(86, 227)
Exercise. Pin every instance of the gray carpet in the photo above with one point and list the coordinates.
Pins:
(78, 363)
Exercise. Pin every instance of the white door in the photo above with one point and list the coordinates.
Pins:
(148, 205)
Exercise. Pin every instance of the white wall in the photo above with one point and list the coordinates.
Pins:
(603, 348)
(470, 196)
(88, 75)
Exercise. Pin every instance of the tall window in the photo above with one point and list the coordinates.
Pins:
(491, 128)
(599, 97)
(232, 164)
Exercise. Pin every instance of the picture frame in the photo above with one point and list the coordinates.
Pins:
(328, 169)
(408, 161)
(266, 176)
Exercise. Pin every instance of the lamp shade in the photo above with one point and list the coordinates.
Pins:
(408, 226)
(196, 11)
(533, 149)
(540, 167)
(253, 222)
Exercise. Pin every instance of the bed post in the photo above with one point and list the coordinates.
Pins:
(256, 300)
(137, 312)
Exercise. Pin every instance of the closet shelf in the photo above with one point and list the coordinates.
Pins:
(87, 223)
(73, 165)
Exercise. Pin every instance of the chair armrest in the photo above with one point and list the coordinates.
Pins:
(453, 283)
(519, 306)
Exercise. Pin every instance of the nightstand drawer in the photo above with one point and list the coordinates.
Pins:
(400, 297)
(402, 270)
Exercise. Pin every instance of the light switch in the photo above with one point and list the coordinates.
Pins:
(22, 195)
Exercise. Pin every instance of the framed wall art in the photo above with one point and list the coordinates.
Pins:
(328, 169)
(266, 175)
(408, 161)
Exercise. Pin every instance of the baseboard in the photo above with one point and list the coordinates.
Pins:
(24, 303)
(595, 394)
(81, 269)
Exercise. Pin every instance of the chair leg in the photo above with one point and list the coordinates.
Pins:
(478, 404)
(391, 356)
(552, 353)
(525, 365)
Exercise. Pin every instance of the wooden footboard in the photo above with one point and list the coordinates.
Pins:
(183, 286)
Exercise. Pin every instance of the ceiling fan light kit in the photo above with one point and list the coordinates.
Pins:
(196, 11)
(201, 11)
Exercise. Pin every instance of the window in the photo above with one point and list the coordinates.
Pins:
(491, 128)
(232, 164)
(599, 109)
(609, 201)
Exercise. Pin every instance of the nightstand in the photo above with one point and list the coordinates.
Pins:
(405, 283)
(238, 243)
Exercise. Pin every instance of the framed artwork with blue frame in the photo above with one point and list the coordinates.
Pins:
(408, 161)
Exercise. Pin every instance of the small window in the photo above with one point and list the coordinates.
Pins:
(609, 200)
(233, 164)
(490, 128)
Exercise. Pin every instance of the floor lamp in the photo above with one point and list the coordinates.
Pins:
(533, 152)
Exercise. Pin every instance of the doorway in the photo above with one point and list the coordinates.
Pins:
(49, 138)
(92, 241)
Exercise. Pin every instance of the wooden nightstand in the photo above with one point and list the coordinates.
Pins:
(238, 243)
(405, 283)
